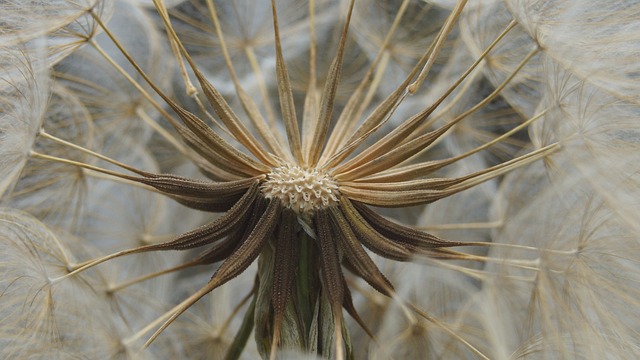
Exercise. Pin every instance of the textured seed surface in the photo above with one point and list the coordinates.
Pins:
(302, 190)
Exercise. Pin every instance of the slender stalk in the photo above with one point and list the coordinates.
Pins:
(99, 175)
(462, 226)
(76, 163)
(241, 338)
(142, 278)
(190, 89)
(46, 135)
(359, 101)
(448, 330)
(144, 94)
(161, 131)
(259, 123)
(446, 29)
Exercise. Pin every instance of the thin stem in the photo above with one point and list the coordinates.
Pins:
(462, 226)
(46, 135)
(139, 279)
(311, 103)
(235, 311)
(76, 163)
(447, 109)
(144, 94)
(400, 134)
(531, 248)
(171, 315)
(448, 330)
(235, 162)
(360, 165)
(338, 333)
(240, 340)
(499, 89)
(140, 333)
(475, 274)
(508, 166)
(421, 169)
(91, 263)
(446, 29)
(81, 81)
(264, 92)
(285, 93)
(209, 116)
(265, 131)
(189, 87)
(356, 104)
(217, 101)
(161, 131)
(99, 175)
(517, 263)
(312, 42)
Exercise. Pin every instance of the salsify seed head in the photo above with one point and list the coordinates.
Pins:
(302, 190)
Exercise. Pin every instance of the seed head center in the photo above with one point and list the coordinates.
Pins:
(303, 190)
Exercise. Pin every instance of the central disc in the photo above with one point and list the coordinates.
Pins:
(303, 190)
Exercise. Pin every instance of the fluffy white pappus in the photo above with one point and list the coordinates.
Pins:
(38, 307)
(209, 327)
(418, 27)
(247, 31)
(66, 24)
(114, 103)
(568, 284)
(481, 23)
(51, 191)
(598, 41)
(599, 136)
(119, 216)
(441, 294)
(24, 88)
(42, 310)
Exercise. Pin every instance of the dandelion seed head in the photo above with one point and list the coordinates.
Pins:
(320, 181)
(303, 190)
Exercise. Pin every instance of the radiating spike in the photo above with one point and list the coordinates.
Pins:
(357, 256)
(206, 234)
(400, 233)
(286, 95)
(286, 266)
(370, 237)
(329, 259)
(328, 97)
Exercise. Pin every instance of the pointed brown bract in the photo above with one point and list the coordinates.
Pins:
(330, 268)
(328, 96)
(285, 94)
(230, 221)
(370, 237)
(285, 269)
(357, 256)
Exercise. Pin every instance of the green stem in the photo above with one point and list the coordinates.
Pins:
(240, 340)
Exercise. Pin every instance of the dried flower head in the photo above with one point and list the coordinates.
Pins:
(301, 197)
(312, 194)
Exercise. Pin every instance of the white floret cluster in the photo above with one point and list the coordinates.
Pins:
(303, 190)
